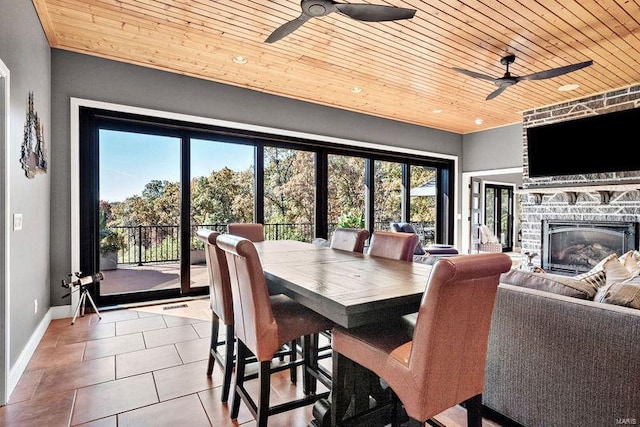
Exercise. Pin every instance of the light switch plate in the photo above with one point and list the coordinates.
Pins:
(17, 222)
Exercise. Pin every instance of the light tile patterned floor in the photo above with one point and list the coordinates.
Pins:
(138, 367)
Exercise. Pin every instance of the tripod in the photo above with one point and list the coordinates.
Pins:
(84, 283)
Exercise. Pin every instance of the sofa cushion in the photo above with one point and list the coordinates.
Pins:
(554, 283)
(626, 294)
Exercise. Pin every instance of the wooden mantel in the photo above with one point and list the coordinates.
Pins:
(605, 189)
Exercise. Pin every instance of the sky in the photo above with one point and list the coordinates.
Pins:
(128, 161)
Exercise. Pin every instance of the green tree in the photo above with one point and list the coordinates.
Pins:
(289, 189)
(222, 197)
(346, 190)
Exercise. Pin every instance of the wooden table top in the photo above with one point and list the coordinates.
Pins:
(349, 288)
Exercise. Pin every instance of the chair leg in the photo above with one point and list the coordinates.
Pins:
(293, 356)
(215, 329)
(228, 362)
(241, 357)
(262, 410)
(474, 411)
(310, 366)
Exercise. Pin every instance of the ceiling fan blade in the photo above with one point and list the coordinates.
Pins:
(473, 74)
(555, 72)
(374, 12)
(496, 92)
(287, 28)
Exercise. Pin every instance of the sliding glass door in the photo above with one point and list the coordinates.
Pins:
(221, 191)
(148, 184)
(139, 212)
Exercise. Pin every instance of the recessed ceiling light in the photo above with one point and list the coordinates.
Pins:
(569, 87)
(479, 121)
(436, 111)
(356, 89)
(239, 59)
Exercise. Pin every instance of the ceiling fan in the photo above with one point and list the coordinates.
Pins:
(509, 80)
(358, 11)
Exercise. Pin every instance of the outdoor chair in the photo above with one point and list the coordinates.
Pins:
(433, 361)
(264, 324)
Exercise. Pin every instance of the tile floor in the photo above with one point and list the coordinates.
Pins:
(139, 367)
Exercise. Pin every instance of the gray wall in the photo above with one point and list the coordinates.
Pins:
(40, 253)
(499, 148)
(83, 76)
(25, 51)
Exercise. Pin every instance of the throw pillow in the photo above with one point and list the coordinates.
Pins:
(554, 283)
(631, 260)
(486, 236)
(626, 294)
(596, 276)
(615, 271)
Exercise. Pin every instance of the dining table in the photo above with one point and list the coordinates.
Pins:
(351, 289)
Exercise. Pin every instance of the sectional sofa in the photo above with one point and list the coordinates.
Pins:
(556, 357)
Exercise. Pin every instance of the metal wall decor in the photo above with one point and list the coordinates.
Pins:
(33, 156)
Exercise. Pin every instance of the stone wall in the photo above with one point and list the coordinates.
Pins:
(571, 198)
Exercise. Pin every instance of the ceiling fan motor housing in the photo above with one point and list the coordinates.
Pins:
(509, 59)
(316, 7)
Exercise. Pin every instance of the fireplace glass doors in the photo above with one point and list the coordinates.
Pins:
(576, 246)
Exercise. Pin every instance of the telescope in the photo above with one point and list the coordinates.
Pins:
(83, 282)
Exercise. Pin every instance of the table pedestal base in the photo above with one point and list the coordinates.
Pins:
(358, 398)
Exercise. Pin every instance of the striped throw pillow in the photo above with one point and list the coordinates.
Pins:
(596, 276)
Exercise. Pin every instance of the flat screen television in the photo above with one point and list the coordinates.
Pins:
(595, 144)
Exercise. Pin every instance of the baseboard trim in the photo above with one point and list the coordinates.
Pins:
(16, 371)
(61, 312)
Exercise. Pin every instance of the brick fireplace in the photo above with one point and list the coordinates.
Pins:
(574, 247)
(585, 201)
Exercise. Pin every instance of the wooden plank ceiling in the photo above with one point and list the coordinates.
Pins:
(402, 67)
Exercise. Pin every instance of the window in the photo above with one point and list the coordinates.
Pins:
(289, 194)
(387, 199)
(346, 192)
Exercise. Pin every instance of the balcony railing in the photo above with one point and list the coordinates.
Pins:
(144, 244)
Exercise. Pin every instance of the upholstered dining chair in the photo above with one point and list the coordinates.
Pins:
(344, 239)
(221, 302)
(349, 239)
(387, 244)
(221, 309)
(251, 230)
(438, 360)
(265, 323)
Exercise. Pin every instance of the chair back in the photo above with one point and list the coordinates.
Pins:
(449, 346)
(252, 231)
(219, 284)
(349, 239)
(255, 324)
(388, 244)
